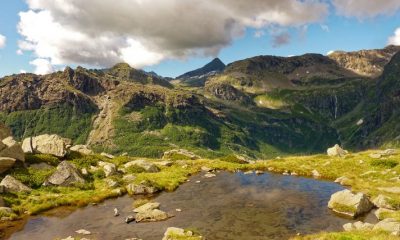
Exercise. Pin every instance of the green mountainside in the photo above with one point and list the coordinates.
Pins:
(259, 107)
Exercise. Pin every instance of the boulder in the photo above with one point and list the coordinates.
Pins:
(343, 181)
(11, 149)
(138, 189)
(336, 151)
(47, 144)
(82, 149)
(147, 166)
(381, 212)
(350, 204)
(6, 163)
(11, 184)
(388, 225)
(111, 183)
(147, 207)
(383, 201)
(151, 216)
(108, 168)
(357, 226)
(66, 175)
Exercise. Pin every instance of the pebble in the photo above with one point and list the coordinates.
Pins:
(178, 210)
(198, 181)
(116, 212)
(83, 232)
(129, 219)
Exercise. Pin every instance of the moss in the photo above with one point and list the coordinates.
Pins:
(31, 177)
(41, 158)
(384, 163)
(233, 159)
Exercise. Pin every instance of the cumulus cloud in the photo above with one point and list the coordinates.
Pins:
(395, 39)
(42, 66)
(145, 32)
(2, 41)
(366, 8)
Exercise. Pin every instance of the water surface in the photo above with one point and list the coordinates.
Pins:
(229, 206)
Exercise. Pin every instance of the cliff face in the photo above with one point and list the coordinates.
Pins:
(369, 63)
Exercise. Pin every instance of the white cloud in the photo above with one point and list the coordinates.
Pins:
(366, 8)
(145, 32)
(395, 39)
(2, 41)
(22, 71)
(42, 66)
(259, 33)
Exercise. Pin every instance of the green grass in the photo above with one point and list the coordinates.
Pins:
(356, 235)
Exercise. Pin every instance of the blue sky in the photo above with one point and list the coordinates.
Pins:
(335, 31)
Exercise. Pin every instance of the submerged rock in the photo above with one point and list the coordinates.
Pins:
(66, 175)
(11, 184)
(350, 204)
(336, 151)
(47, 144)
(147, 207)
(174, 233)
(151, 216)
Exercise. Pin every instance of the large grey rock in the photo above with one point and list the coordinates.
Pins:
(11, 184)
(47, 144)
(12, 149)
(336, 151)
(140, 189)
(82, 149)
(383, 201)
(151, 216)
(147, 207)
(6, 163)
(350, 204)
(66, 175)
(147, 166)
(388, 225)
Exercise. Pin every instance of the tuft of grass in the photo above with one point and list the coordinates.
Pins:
(384, 163)
(41, 158)
(31, 177)
(355, 235)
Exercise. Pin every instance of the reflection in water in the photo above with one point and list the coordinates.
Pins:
(230, 206)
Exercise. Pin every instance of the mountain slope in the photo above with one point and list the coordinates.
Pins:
(197, 78)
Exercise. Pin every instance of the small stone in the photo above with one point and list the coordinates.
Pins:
(129, 219)
(259, 172)
(178, 210)
(206, 169)
(84, 171)
(315, 174)
(116, 212)
(83, 232)
(198, 181)
(248, 172)
(107, 155)
(209, 175)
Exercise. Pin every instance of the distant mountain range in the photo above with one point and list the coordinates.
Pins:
(259, 107)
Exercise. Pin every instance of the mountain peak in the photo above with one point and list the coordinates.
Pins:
(216, 65)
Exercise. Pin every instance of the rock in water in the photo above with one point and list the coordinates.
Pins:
(11, 184)
(116, 212)
(173, 233)
(151, 216)
(129, 219)
(347, 203)
(137, 189)
(66, 175)
(336, 151)
(47, 144)
(147, 207)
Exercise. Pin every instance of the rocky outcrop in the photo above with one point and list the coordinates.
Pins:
(347, 203)
(47, 144)
(365, 62)
(336, 151)
(66, 175)
(357, 226)
(145, 165)
(82, 149)
(10, 184)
